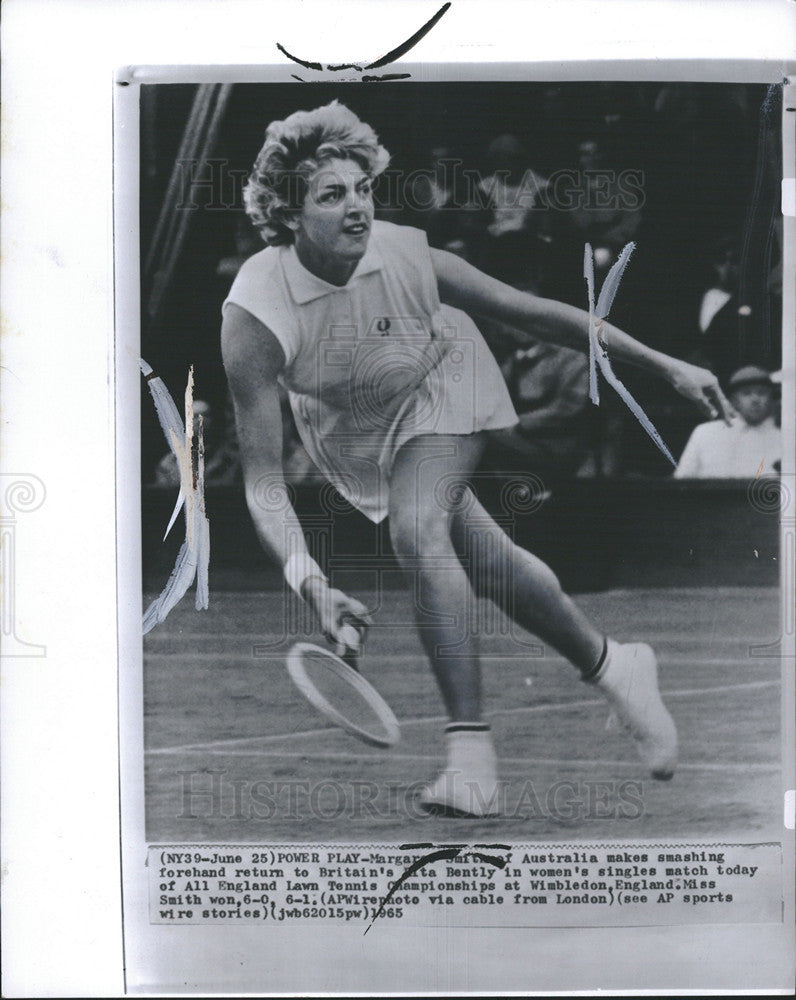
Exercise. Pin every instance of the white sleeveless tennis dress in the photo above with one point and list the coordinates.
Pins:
(374, 363)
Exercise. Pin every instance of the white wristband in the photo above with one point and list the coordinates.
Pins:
(298, 567)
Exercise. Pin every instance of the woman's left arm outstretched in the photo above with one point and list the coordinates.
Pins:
(465, 287)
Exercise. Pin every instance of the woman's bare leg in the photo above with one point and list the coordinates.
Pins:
(523, 586)
(420, 529)
(449, 544)
(452, 548)
(529, 592)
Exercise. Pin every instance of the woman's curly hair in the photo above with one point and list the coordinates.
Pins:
(292, 152)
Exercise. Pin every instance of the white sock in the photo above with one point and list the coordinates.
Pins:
(611, 647)
(470, 750)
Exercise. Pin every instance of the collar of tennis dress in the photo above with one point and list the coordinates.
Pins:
(305, 286)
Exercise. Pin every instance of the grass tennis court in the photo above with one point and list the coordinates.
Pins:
(235, 754)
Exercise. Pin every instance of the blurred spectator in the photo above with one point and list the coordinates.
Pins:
(727, 333)
(222, 464)
(438, 203)
(434, 187)
(749, 446)
(550, 389)
(700, 177)
(513, 243)
(596, 204)
(607, 216)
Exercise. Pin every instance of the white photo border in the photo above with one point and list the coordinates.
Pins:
(63, 64)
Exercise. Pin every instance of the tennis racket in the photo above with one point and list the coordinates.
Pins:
(334, 686)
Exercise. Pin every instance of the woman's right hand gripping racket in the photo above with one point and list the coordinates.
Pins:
(333, 684)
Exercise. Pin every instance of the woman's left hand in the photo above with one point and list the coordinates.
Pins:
(700, 386)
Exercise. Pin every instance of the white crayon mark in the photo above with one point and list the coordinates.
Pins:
(598, 351)
(193, 559)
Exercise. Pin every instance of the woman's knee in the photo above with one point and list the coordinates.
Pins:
(403, 537)
(417, 533)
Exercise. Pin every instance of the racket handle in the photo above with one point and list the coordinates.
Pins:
(351, 660)
(351, 637)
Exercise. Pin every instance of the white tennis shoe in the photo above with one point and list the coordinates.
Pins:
(629, 680)
(468, 786)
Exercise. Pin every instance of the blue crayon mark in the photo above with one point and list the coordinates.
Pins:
(193, 559)
(598, 352)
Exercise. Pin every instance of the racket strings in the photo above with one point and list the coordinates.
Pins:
(342, 694)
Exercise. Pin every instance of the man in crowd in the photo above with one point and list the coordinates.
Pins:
(749, 446)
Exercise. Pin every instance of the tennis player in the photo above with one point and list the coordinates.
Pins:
(394, 390)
